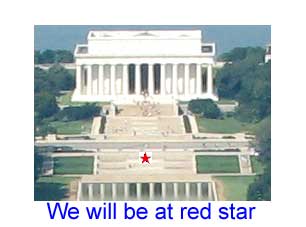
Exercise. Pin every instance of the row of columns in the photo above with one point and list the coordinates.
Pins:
(80, 69)
(152, 196)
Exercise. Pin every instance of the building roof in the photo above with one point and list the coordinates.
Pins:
(145, 34)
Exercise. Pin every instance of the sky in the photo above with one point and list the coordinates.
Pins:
(226, 37)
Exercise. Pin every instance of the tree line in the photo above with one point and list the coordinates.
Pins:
(247, 79)
(53, 56)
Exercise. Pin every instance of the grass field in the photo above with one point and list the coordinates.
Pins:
(217, 164)
(226, 101)
(52, 188)
(226, 125)
(257, 166)
(235, 188)
(65, 100)
(73, 165)
(72, 127)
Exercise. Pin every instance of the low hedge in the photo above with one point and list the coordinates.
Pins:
(102, 126)
(187, 124)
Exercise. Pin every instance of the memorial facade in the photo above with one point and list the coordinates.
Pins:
(124, 67)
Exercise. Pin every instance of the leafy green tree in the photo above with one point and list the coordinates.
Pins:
(47, 56)
(37, 59)
(237, 53)
(205, 107)
(53, 56)
(45, 104)
(61, 78)
(248, 81)
(63, 56)
(42, 83)
(261, 188)
(263, 140)
(241, 53)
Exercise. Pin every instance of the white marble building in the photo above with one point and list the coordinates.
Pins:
(122, 66)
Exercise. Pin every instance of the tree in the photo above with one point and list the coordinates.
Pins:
(42, 83)
(37, 59)
(63, 56)
(53, 56)
(60, 77)
(205, 107)
(45, 104)
(263, 140)
(260, 189)
(248, 81)
(47, 56)
(237, 53)
(241, 53)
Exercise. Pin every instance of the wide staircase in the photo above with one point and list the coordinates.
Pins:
(134, 128)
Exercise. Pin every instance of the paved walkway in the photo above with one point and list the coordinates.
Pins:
(162, 162)
(193, 124)
(245, 164)
(95, 128)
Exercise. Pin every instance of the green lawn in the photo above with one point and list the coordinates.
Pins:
(52, 188)
(235, 188)
(73, 165)
(72, 127)
(226, 101)
(217, 164)
(257, 166)
(65, 100)
(226, 125)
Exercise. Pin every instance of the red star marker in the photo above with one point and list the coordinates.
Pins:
(145, 158)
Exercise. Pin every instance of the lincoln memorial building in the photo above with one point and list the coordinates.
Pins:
(163, 65)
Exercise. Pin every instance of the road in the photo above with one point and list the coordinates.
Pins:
(140, 145)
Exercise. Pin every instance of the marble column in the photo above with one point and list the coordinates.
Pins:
(114, 191)
(90, 192)
(113, 79)
(78, 79)
(151, 193)
(126, 191)
(138, 191)
(174, 80)
(199, 80)
(175, 188)
(150, 79)
(125, 75)
(137, 79)
(209, 193)
(164, 189)
(101, 78)
(89, 80)
(186, 79)
(187, 190)
(162, 79)
(199, 190)
(102, 191)
(209, 80)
